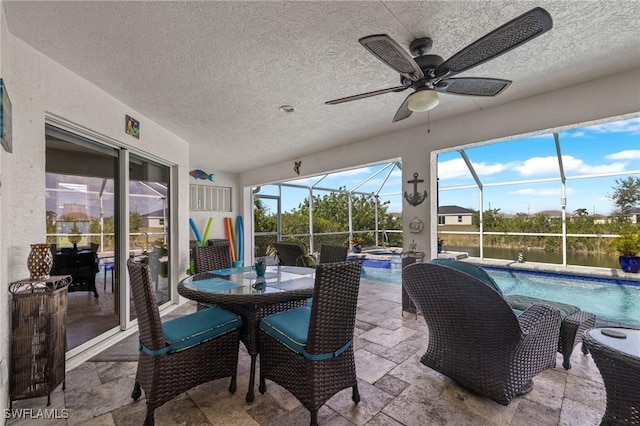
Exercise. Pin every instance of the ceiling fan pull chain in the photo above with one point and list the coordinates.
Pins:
(429, 121)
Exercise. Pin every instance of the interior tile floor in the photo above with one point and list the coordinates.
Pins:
(89, 316)
(396, 389)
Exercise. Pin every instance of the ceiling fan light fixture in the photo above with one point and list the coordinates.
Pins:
(423, 100)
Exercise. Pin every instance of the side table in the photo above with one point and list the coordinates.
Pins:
(618, 359)
(38, 336)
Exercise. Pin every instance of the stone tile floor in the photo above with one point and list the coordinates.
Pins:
(396, 389)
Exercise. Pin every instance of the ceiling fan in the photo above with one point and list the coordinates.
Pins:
(429, 74)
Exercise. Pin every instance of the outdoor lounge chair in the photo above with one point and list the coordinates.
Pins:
(475, 338)
(309, 350)
(332, 254)
(182, 353)
(574, 320)
(293, 253)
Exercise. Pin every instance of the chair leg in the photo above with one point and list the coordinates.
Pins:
(232, 385)
(585, 350)
(262, 387)
(149, 420)
(566, 361)
(314, 418)
(355, 395)
(252, 379)
(137, 391)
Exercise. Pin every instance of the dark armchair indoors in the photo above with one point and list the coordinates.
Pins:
(475, 338)
(309, 350)
(182, 353)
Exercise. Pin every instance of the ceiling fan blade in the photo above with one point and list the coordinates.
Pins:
(366, 95)
(403, 111)
(509, 36)
(388, 51)
(473, 86)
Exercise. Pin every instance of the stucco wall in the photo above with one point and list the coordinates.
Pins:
(40, 87)
(4, 302)
(220, 179)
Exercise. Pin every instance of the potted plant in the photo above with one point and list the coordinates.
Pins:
(627, 244)
(356, 244)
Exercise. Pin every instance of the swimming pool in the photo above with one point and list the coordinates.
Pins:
(610, 299)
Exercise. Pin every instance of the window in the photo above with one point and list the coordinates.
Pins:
(459, 219)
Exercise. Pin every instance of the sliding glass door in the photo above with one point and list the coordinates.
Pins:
(149, 222)
(84, 203)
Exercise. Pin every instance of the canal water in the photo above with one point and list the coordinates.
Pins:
(579, 259)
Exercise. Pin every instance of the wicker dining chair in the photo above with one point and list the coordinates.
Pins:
(332, 254)
(211, 257)
(475, 338)
(309, 350)
(293, 253)
(182, 353)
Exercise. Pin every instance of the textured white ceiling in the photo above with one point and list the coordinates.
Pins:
(215, 73)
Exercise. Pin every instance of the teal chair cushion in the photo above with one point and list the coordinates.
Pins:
(470, 269)
(520, 302)
(190, 330)
(291, 328)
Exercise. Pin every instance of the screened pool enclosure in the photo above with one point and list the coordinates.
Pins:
(550, 198)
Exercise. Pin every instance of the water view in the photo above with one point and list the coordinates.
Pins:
(600, 260)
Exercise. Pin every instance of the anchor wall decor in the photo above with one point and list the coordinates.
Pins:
(415, 198)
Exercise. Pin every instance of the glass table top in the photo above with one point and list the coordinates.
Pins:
(244, 280)
(630, 345)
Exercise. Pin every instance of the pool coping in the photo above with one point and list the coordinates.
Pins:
(589, 271)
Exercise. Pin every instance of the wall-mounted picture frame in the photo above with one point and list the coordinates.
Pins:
(132, 126)
(5, 118)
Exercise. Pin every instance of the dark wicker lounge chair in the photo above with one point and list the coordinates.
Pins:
(182, 353)
(293, 253)
(475, 337)
(319, 362)
(574, 320)
(332, 254)
(211, 257)
(574, 323)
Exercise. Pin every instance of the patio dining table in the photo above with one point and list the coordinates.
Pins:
(241, 291)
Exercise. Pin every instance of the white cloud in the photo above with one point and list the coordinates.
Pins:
(577, 134)
(457, 168)
(546, 166)
(628, 126)
(545, 192)
(540, 192)
(629, 154)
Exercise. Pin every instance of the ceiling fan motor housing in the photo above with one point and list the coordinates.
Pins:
(420, 46)
(427, 64)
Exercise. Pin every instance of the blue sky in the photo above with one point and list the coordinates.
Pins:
(612, 149)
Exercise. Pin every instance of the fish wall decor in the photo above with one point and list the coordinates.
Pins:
(201, 175)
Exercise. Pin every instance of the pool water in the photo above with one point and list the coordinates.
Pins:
(610, 299)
